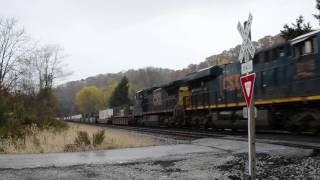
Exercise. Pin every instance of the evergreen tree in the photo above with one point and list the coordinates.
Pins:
(317, 16)
(296, 30)
(120, 95)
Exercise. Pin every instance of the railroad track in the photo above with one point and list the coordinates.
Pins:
(171, 132)
(280, 138)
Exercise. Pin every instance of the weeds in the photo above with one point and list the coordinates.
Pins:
(70, 148)
(98, 138)
(2, 150)
(74, 138)
(82, 139)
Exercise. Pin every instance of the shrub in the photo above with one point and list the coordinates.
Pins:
(55, 125)
(18, 111)
(70, 148)
(98, 138)
(2, 151)
(82, 139)
(13, 129)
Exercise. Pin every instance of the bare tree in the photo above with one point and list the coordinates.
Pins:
(27, 81)
(12, 46)
(47, 62)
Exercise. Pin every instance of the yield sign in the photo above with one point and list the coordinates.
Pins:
(247, 84)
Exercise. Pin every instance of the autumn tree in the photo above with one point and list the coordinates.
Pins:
(120, 95)
(297, 29)
(89, 99)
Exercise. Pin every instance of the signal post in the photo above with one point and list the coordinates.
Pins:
(247, 80)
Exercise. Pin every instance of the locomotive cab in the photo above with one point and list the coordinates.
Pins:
(183, 94)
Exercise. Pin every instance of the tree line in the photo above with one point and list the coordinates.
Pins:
(28, 71)
(106, 83)
(299, 27)
(91, 99)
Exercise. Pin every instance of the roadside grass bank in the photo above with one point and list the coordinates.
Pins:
(75, 137)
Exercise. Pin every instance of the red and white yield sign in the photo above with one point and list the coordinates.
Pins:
(247, 84)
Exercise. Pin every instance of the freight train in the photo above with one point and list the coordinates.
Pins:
(286, 95)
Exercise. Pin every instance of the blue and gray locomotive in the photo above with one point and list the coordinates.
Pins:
(287, 93)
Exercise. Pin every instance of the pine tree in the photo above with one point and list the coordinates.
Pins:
(317, 16)
(120, 95)
(296, 30)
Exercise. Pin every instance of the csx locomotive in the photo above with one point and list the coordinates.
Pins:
(287, 93)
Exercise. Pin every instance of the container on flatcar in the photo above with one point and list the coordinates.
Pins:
(105, 116)
(76, 118)
(90, 118)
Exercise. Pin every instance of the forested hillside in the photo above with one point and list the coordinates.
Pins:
(147, 77)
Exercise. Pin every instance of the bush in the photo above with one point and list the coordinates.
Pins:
(56, 125)
(98, 138)
(18, 111)
(82, 139)
(12, 129)
(2, 151)
(70, 148)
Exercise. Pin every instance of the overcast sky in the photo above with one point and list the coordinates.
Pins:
(107, 36)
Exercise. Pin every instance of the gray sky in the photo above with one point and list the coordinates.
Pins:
(106, 36)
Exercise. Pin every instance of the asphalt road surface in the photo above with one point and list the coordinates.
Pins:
(202, 159)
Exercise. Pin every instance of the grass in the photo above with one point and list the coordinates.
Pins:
(47, 140)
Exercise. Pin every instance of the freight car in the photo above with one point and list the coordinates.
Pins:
(74, 118)
(90, 118)
(123, 115)
(105, 116)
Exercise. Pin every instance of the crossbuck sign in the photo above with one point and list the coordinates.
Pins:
(247, 47)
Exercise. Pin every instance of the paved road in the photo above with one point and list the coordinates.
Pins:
(97, 157)
(198, 160)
